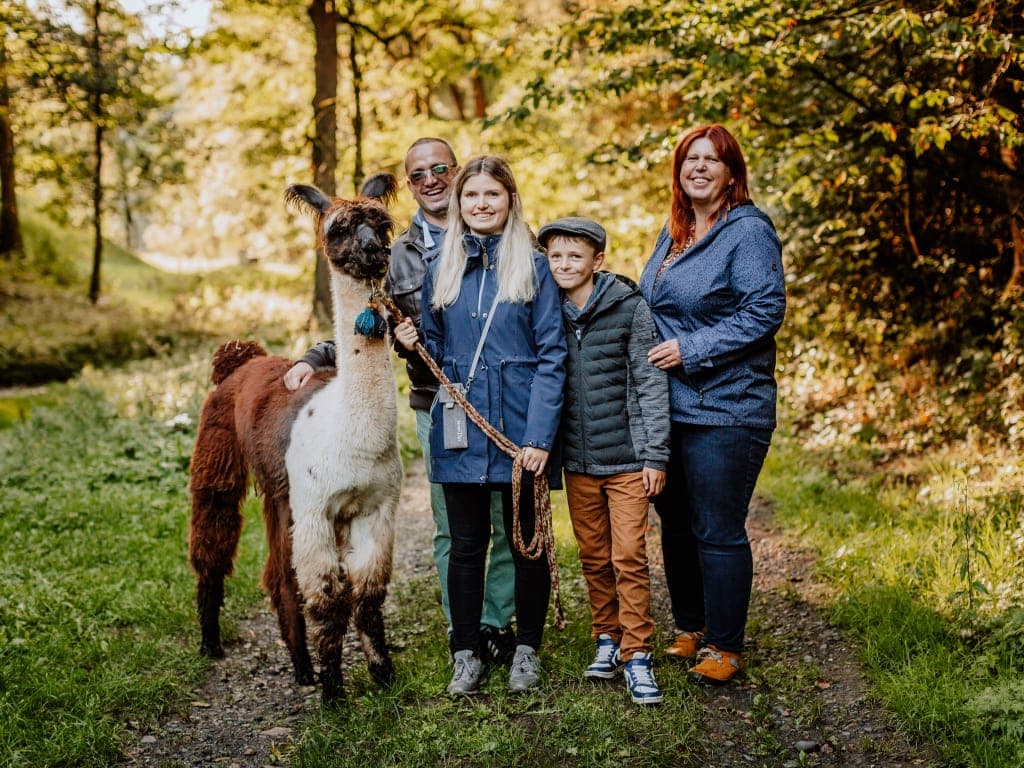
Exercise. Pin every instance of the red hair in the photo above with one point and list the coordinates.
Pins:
(681, 220)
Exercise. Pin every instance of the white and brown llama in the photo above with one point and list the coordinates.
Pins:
(325, 458)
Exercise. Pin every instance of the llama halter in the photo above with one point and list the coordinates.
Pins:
(369, 322)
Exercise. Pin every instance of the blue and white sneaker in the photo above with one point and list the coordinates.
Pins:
(606, 659)
(639, 674)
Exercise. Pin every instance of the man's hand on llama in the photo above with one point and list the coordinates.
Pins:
(298, 375)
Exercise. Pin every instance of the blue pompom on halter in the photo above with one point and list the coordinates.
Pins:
(370, 323)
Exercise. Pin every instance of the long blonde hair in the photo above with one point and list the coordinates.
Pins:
(516, 275)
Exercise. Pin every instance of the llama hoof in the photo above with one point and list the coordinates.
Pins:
(213, 650)
(333, 691)
(383, 674)
(305, 677)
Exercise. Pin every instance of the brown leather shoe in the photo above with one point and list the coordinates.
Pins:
(686, 645)
(715, 667)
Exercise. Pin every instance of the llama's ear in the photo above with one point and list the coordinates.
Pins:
(307, 199)
(380, 186)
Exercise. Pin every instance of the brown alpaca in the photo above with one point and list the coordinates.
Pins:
(325, 458)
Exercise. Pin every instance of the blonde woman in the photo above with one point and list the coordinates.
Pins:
(491, 319)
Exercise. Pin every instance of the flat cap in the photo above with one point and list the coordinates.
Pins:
(574, 226)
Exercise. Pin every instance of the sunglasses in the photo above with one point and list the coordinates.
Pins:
(437, 170)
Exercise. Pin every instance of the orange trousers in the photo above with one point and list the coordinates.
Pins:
(609, 518)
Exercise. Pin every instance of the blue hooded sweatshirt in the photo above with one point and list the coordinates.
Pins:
(724, 299)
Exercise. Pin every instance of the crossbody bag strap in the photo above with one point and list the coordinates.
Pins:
(480, 345)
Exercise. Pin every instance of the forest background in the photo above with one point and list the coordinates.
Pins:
(884, 139)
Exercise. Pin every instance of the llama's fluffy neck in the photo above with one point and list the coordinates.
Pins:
(364, 362)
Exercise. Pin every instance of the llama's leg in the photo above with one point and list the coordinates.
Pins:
(369, 569)
(327, 596)
(279, 581)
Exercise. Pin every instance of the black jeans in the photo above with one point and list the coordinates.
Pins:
(703, 509)
(469, 520)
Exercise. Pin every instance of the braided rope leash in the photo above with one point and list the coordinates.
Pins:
(543, 541)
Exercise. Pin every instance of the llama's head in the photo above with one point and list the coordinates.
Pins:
(354, 235)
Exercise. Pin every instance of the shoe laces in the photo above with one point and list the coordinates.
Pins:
(707, 652)
(606, 652)
(525, 662)
(642, 674)
(462, 668)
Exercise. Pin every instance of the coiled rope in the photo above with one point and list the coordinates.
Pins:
(543, 541)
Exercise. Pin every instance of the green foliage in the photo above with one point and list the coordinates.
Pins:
(927, 572)
(886, 141)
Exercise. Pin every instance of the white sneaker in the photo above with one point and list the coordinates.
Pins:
(525, 672)
(639, 674)
(468, 674)
(606, 659)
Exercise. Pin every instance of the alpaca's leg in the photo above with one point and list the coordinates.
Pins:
(217, 481)
(213, 537)
(369, 568)
(327, 595)
(279, 581)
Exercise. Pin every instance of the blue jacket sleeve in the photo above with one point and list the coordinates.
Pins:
(758, 284)
(545, 406)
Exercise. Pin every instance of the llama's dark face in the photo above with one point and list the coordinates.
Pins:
(357, 242)
(354, 235)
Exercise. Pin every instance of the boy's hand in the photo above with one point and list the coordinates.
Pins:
(298, 375)
(665, 355)
(406, 334)
(534, 460)
(654, 481)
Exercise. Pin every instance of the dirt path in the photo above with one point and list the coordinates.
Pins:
(250, 705)
(823, 708)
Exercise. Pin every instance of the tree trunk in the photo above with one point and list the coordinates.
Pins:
(325, 124)
(10, 226)
(357, 100)
(97, 182)
(479, 97)
(457, 96)
(1014, 288)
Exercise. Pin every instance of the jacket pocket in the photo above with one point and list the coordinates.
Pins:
(516, 381)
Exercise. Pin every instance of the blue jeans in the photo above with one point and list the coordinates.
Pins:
(499, 587)
(703, 509)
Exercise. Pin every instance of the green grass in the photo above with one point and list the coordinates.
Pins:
(933, 590)
(566, 722)
(95, 591)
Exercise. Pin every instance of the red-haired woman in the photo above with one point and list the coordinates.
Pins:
(716, 290)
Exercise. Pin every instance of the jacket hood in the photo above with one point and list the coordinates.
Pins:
(609, 289)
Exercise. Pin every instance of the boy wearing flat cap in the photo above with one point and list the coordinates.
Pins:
(615, 439)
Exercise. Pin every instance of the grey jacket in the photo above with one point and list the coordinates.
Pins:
(616, 414)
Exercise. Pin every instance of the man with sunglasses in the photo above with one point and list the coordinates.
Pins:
(430, 167)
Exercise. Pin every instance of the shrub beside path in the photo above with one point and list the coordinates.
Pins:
(803, 702)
